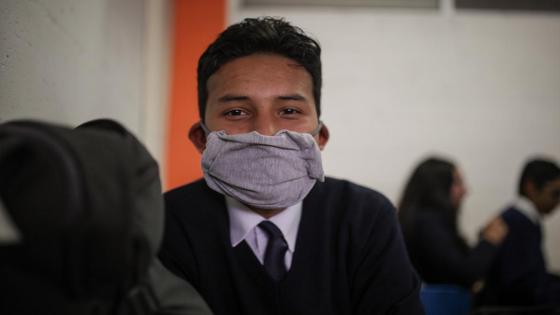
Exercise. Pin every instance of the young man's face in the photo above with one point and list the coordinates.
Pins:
(261, 92)
(547, 198)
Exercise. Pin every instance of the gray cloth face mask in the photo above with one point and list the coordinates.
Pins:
(266, 172)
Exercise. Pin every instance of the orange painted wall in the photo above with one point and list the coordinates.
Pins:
(196, 24)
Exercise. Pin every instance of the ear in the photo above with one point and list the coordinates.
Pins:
(198, 137)
(530, 189)
(323, 137)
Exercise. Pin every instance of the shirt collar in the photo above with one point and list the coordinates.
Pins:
(243, 220)
(527, 208)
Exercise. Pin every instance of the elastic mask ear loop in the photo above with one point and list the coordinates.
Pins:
(317, 130)
(206, 130)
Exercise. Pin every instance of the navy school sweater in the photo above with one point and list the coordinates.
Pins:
(349, 256)
(518, 275)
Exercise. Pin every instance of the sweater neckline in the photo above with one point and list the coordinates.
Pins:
(304, 249)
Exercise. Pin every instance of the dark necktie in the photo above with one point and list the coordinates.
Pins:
(275, 251)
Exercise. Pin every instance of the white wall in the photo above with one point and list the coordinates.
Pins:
(480, 87)
(69, 61)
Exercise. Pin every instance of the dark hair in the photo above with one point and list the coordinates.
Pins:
(260, 35)
(428, 191)
(538, 171)
(429, 185)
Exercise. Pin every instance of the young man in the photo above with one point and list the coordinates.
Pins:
(265, 232)
(518, 275)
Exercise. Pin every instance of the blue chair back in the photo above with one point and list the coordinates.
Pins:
(445, 299)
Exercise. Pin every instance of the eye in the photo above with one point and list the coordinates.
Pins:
(289, 111)
(235, 113)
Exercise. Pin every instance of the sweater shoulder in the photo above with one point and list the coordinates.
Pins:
(356, 190)
(352, 202)
(192, 199)
(189, 194)
(514, 218)
(180, 192)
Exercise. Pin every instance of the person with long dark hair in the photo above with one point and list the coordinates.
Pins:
(428, 213)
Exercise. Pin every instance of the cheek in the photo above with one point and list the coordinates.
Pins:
(552, 202)
(457, 193)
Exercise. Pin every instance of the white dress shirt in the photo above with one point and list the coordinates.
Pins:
(243, 225)
(527, 208)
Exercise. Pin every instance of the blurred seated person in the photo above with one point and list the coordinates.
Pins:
(428, 213)
(518, 276)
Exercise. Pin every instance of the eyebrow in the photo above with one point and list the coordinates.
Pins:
(292, 97)
(233, 98)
